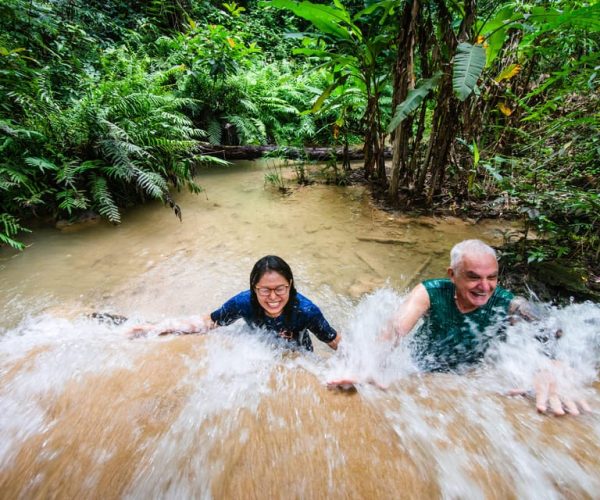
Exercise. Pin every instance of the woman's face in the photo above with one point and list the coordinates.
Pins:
(273, 293)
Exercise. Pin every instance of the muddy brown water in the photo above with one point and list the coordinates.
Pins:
(86, 412)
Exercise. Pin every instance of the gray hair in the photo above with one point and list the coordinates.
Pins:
(476, 247)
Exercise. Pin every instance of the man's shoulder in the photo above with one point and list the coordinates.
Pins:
(438, 284)
(503, 294)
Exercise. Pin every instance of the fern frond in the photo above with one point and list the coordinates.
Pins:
(19, 133)
(214, 132)
(151, 183)
(279, 105)
(210, 161)
(114, 131)
(72, 200)
(119, 151)
(122, 172)
(249, 106)
(41, 163)
(17, 178)
(261, 129)
(243, 128)
(175, 119)
(103, 200)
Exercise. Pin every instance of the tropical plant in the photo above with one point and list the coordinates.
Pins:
(496, 48)
(350, 54)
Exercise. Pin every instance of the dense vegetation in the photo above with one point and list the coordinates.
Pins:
(485, 104)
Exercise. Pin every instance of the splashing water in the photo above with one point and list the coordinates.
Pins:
(233, 414)
(87, 413)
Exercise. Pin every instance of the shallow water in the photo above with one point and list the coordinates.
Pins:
(85, 412)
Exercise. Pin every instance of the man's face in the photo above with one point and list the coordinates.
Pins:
(475, 279)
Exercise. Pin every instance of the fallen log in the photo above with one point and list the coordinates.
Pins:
(389, 241)
(291, 152)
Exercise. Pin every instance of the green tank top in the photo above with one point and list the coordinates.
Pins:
(449, 338)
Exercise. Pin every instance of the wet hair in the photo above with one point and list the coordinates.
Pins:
(272, 263)
(477, 247)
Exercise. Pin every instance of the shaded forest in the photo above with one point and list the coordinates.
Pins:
(488, 108)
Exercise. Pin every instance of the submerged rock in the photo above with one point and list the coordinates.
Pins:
(563, 275)
(84, 220)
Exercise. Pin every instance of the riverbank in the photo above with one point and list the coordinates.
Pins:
(554, 280)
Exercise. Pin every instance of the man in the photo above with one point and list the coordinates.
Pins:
(463, 313)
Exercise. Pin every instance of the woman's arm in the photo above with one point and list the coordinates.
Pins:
(192, 324)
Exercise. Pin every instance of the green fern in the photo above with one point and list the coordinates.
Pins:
(151, 183)
(72, 201)
(41, 163)
(214, 132)
(103, 201)
(10, 227)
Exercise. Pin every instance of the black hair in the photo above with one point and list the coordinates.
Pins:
(276, 264)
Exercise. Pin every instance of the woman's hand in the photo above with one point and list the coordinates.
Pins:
(139, 330)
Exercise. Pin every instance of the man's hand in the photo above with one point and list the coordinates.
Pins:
(553, 392)
(547, 394)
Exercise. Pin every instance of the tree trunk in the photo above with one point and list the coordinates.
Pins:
(446, 119)
(371, 137)
(404, 81)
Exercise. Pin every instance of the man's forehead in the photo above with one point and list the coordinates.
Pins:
(479, 263)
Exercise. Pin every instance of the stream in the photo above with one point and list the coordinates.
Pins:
(87, 412)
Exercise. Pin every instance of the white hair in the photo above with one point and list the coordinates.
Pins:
(476, 247)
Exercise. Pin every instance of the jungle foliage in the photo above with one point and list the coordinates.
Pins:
(484, 104)
(492, 102)
(107, 104)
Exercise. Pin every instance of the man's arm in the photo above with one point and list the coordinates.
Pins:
(521, 308)
(411, 311)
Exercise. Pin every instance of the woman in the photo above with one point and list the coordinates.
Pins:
(272, 303)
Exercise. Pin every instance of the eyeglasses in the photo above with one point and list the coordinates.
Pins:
(265, 292)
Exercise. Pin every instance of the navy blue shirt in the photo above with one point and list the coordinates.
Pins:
(304, 316)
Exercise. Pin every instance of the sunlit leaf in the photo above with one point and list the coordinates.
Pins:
(504, 109)
(509, 72)
(475, 154)
(329, 20)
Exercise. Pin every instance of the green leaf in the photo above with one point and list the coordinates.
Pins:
(40, 163)
(413, 101)
(329, 20)
(327, 92)
(475, 154)
(103, 200)
(468, 65)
